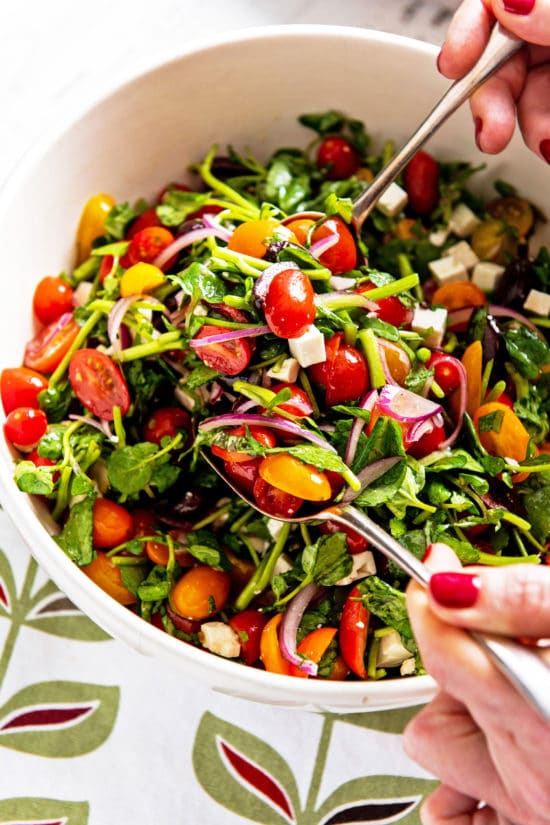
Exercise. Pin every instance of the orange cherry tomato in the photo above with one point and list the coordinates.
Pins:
(270, 651)
(112, 524)
(340, 670)
(92, 223)
(295, 477)
(106, 574)
(313, 647)
(472, 361)
(20, 387)
(46, 350)
(253, 237)
(98, 383)
(201, 592)
(500, 431)
(52, 297)
(301, 228)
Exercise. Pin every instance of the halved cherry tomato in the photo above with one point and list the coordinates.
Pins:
(106, 574)
(421, 182)
(356, 543)
(459, 295)
(391, 309)
(263, 435)
(427, 443)
(338, 157)
(20, 387)
(249, 624)
(289, 305)
(447, 372)
(500, 431)
(145, 220)
(343, 255)
(92, 223)
(148, 243)
(168, 422)
(46, 350)
(298, 404)
(273, 500)
(243, 473)
(98, 383)
(301, 228)
(106, 267)
(295, 477)
(253, 237)
(141, 278)
(25, 426)
(344, 374)
(52, 297)
(313, 647)
(201, 592)
(112, 524)
(228, 357)
(270, 651)
(354, 628)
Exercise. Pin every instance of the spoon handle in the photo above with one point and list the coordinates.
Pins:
(500, 47)
(526, 667)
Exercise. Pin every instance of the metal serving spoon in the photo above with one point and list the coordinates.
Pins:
(500, 47)
(526, 667)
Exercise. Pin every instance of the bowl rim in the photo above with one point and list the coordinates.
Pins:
(117, 620)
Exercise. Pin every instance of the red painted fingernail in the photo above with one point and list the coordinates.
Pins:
(478, 127)
(519, 6)
(427, 552)
(544, 149)
(455, 589)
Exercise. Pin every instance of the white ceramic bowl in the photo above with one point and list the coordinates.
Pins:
(246, 89)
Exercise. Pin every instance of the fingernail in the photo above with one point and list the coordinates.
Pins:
(519, 6)
(544, 149)
(455, 589)
(427, 553)
(478, 123)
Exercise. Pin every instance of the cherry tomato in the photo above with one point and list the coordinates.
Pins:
(46, 350)
(494, 241)
(427, 443)
(354, 627)
(298, 404)
(274, 500)
(447, 372)
(243, 473)
(295, 477)
(106, 574)
(313, 647)
(343, 255)
(355, 542)
(500, 431)
(249, 624)
(201, 592)
(270, 651)
(139, 278)
(145, 220)
(344, 374)
(112, 524)
(92, 223)
(168, 422)
(98, 383)
(52, 297)
(253, 237)
(301, 228)
(289, 306)
(390, 309)
(148, 243)
(514, 211)
(261, 434)
(421, 182)
(227, 357)
(20, 387)
(106, 267)
(25, 426)
(338, 157)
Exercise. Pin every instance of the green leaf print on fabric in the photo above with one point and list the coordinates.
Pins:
(27, 811)
(376, 798)
(385, 721)
(8, 590)
(52, 612)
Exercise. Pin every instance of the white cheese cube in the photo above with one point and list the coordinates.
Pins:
(431, 324)
(464, 254)
(537, 302)
(408, 667)
(392, 651)
(286, 372)
(309, 348)
(438, 237)
(274, 527)
(463, 221)
(486, 274)
(282, 565)
(220, 638)
(392, 201)
(363, 565)
(447, 270)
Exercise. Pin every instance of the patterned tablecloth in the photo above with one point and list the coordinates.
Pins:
(90, 731)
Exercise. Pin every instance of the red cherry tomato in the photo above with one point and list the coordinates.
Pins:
(20, 387)
(52, 297)
(112, 524)
(390, 309)
(148, 243)
(249, 625)
(421, 181)
(427, 443)
(355, 542)
(274, 501)
(145, 220)
(447, 371)
(260, 434)
(227, 357)
(25, 426)
(344, 374)
(243, 473)
(167, 421)
(343, 255)
(105, 267)
(98, 383)
(298, 404)
(289, 305)
(46, 350)
(354, 626)
(338, 157)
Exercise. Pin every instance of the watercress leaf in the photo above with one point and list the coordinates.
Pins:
(118, 219)
(156, 586)
(165, 476)
(537, 504)
(132, 576)
(328, 560)
(387, 603)
(200, 283)
(131, 468)
(211, 556)
(55, 401)
(324, 123)
(32, 479)
(75, 539)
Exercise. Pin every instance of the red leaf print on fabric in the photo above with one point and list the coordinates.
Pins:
(48, 717)
(258, 779)
(4, 595)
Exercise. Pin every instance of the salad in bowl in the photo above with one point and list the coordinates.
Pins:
(237, 316)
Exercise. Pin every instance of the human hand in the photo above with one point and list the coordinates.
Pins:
(521, 88)
(478, 735)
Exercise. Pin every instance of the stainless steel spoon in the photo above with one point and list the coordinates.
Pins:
(526, 667)
(500, 47)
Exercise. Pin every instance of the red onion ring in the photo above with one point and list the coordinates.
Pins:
(366, 403)
(406, 406)
(289, 628)
(370, 474)
(320, 247)
(237, 419)
(228, 335)
(183, 241)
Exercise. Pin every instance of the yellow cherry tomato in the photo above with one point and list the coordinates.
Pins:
(139, 278)
(92, 223)
(106, 574)
(201, 592)
(301, 229)
(500, 431)
(293, 476)
(253, 237)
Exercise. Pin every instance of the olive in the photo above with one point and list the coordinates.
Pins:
(513, 211)
(492, 240)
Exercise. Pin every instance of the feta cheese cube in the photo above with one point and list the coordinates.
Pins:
(363, 564)
(408, 667)
(448, 270)
(463, 221)
(274, 527)
(431, 324)
(282, 565)
(438, 237)
(537, 302)
(392, 201)
(486, 274)
(220, 638)
(309, 348)
(286, 372)
(392, 651)
(464, 254)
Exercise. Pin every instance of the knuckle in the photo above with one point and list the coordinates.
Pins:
(525, 590)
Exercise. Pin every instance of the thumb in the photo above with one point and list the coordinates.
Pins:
(528, 19)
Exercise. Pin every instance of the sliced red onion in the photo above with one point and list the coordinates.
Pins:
(183, 241)
(502, 311)
(289, 628)
(459, 317)
(370, 474)
(424, 427)
(320, 247)
(216, 392)
(304, 216)
(228, 335)
(367, 403)
(404, 405)
(282, 424)
(210, 221)
(261, 286)
(115, 317)
(382, 347)
(36, 345)
(102, 426)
